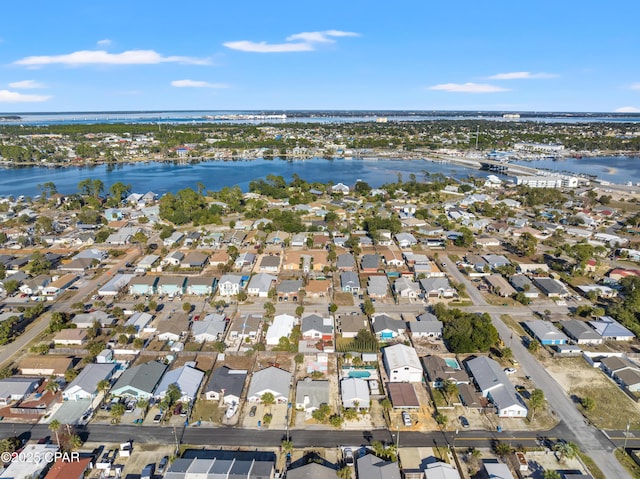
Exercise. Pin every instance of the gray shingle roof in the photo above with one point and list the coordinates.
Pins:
(232, 381)
(144, 377)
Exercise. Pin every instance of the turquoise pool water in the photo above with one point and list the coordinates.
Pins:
(359, 374)
(452, 363)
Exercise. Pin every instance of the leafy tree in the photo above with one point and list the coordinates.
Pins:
(287, 446)
(10, 444)
(299, 311)
(333, 307)
(465, 239)
(321, 414)
(533, 346)
(11, 286)
(269, 309)
(336, 420)
(186, 307)
(242, 296)
(268, 399)
(368, 308)
(173, 393)
(588, 403)
(449, 389)
(441, 419)
(299, 358)
(466, 332)
(551, 474)
(344, 472)
(119, 190)
(117, 411)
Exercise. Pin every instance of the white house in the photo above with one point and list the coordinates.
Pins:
(495, 385)
(402, 364)
(186, 377)
(85, 385)
(260, 284)
(355, 393)
(230, 284)
(270, 380)
(280, 328)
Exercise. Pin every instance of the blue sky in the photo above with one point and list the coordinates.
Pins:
(565, 55)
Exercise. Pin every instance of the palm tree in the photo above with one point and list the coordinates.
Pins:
(268, 399)
(75, 442)
(54, 426)
(52, 386)
(566, 450)
(344, 473)
(287, 446)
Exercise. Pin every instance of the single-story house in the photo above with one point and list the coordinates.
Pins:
(280, 328)
(17, 388)
(495, 385)
(355, 393)
(139, 381)
(545, 332)
(269, 264)
(71, 337)
(349, 282)
(437, 287)
(195, 260)
(245, 326)
(377, 286)
(260, 284)
(48, 365)
(87, 320)
(209, 329)
(405, 288)
(85, 384)
(350, 325)
(310, 395)
(611, 330)
(188, 380)
(580, 332)
(522, 284)
(386, 328)
(438, 370)
(426, 326)
(315, 326)
(551, 287)
(226, 383)
(372, 467)
(289, 289)
(270, 380)
(403, 396)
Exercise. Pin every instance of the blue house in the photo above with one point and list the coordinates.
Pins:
(546, 332)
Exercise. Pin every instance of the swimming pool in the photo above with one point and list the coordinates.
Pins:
(359, 374)
(452, 363)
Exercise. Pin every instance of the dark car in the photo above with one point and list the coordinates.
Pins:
(464, 421)
(252, 411)
(162, 465)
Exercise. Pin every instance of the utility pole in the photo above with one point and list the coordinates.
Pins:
(626, 436)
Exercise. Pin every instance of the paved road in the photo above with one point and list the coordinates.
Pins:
(591, 440)
(36, 328)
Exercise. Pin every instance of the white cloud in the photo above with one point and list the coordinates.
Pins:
(7, 96)
(468, 88)
(196, 84)
(101, 57)
(298, 42)
(627, 109)
(321, 37)
(27, 84)
(264, 47)
(521, 76)
(104, 43)
(635, 86)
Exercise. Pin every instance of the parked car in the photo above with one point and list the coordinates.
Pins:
(157, 418)
(348, 457)
(464, 421)
(162, 465)
(252, 411)
(510, 370)
(406, 418)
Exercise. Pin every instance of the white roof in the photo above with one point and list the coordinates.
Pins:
(399, 355)
(187, 378)
(281, 327)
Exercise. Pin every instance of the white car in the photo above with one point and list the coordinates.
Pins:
(510, 371)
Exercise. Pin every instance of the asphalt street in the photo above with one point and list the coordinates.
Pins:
(591, 440)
